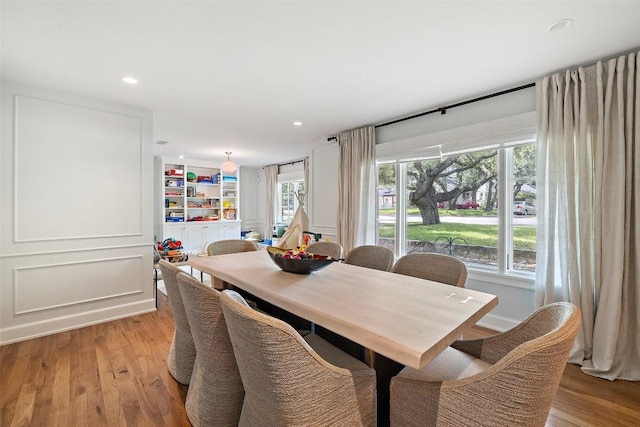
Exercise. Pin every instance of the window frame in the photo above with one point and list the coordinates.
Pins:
(503, 273)
(296, 178)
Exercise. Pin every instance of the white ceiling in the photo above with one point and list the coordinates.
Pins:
(234, 76)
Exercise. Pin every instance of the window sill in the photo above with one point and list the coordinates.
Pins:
(514, 279)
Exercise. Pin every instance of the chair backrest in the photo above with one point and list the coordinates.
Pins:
(517, 388)
(545, 326)
(370, 256)
(529, 362)
(182, 353)
(332, 249)
(436, 267)
(231, 246)
(215, 393)
(156, 254)
(169, 273)
(286, 382)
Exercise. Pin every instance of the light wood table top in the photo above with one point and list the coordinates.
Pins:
(406, 319)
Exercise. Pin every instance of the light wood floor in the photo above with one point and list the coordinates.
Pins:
(114, 374)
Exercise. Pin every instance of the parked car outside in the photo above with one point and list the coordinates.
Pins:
(468, 205)
(523, 208)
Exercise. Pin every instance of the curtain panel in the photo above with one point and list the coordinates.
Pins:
(271, 177)
(589, 209)
(356, 188)
(306, 182)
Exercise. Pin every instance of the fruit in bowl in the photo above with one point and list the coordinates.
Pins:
(297, 261)
(293, 254)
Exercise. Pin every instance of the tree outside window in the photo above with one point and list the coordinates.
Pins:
(452, 206)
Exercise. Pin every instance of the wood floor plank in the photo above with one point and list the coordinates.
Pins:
(88, 378)
(23, 410)
(77, 383)
(115, 374)
(42, 370)
(589, 401)
(60, 415)
(12, 371)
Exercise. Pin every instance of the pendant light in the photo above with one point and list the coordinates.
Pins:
(229, 166)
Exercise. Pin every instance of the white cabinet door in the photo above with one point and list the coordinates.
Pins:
(196, 239)
(211, 233)
(230, 230)
(201, 234)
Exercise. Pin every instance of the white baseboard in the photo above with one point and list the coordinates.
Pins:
(76, 321)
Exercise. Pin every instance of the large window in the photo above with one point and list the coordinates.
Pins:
(479, 206)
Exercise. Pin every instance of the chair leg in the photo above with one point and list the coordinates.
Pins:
(155, 287)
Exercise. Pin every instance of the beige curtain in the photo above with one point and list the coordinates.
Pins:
(307, 184)
(271, 178)
(589, 220)
(356, 188)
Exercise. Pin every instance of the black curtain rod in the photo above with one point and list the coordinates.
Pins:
(293, 162)
(443, 110)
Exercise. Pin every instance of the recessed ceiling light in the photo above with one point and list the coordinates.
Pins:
(181, 156)
(297, 123)
(559, 25)
(130, 80)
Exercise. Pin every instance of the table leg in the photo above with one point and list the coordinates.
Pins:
(385, 370)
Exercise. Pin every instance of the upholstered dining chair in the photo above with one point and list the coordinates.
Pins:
(370, 256)
(332, 249)
(291, 381)
(509, 379)
(231, 246)
(182, 353)
(436, 267)
(223, 247)
(215, 392)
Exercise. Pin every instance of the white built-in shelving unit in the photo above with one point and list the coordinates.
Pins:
(197, 203)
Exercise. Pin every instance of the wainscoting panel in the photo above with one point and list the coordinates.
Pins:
(52, 292)
(45, 287)
(76, 216)
(61, 194)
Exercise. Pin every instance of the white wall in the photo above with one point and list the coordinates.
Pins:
(323, 203)
(76, 216)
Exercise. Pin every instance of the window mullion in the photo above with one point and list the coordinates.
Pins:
(505, 210)
(401, 209)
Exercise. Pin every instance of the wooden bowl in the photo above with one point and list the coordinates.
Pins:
(299, 266)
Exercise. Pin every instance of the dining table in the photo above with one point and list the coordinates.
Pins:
(402, 319)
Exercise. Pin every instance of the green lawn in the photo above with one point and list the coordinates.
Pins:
(474, 235)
